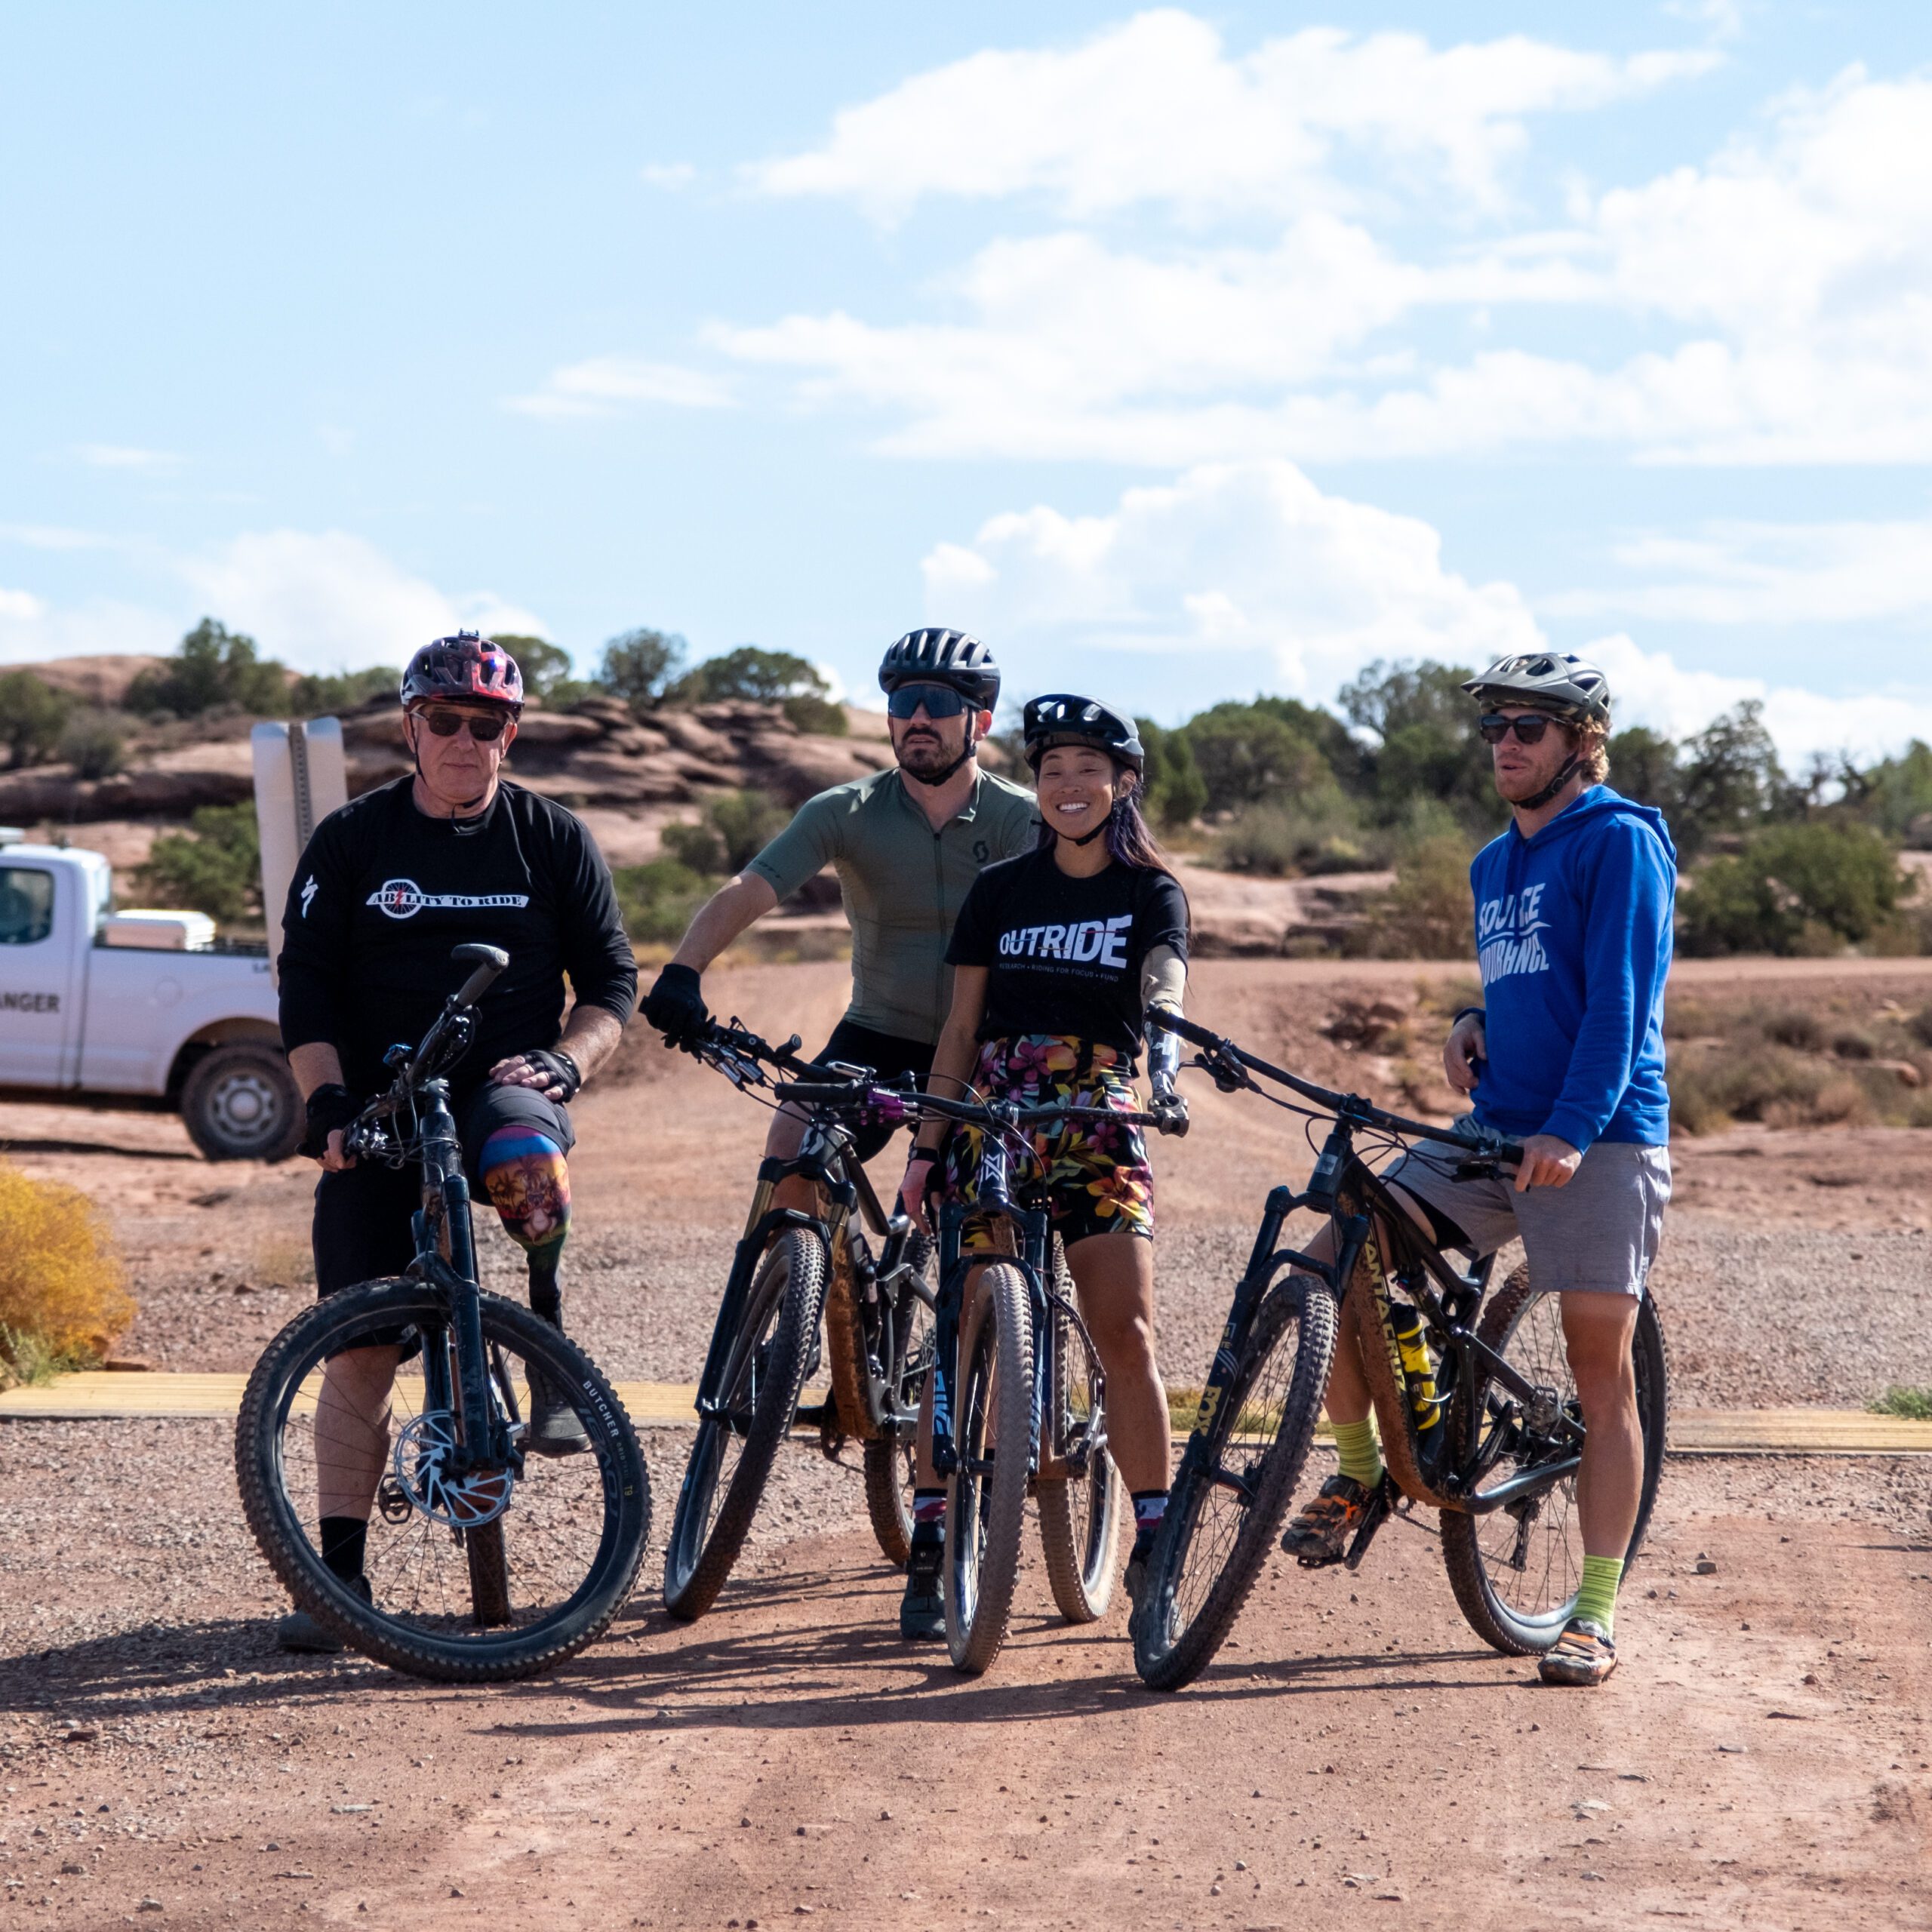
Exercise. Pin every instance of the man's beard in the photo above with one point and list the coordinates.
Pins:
(926, 757)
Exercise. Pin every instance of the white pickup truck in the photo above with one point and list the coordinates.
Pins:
(141, 1008)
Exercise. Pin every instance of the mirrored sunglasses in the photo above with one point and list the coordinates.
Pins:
(1529, 728)
(940, 701)
(447, 723)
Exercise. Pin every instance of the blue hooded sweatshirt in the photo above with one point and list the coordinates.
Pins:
(1573, 934)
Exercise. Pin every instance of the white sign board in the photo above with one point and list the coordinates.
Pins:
(300, 779)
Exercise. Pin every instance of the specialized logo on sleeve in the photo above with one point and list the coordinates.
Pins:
(1510, 935)
(308, 895)
(1089, 941)
(403, 898)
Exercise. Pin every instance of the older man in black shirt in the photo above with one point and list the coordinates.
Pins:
(387, 887)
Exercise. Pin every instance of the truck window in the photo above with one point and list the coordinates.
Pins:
(26, 905)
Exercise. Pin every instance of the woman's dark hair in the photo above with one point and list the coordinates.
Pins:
(1131, 841)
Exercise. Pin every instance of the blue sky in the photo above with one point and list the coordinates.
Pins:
(1183, 354)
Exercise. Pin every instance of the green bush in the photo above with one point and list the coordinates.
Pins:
(1913, 1405)
(1176, 792)
(641, 666)
(1793, 890)
(216, 868)
(658, 900)
(818, 715)
(32, 716)
(735, 827)
(1712, 1088)
(315, 695)
(94, 743)
(1429, 912)
(1323, 834)
(1244, 754)
(213, 666)
(748, 674)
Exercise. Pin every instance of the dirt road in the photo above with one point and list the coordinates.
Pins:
(1353, 1758)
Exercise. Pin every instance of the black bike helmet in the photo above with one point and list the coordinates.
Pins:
(466, 665)
(1060, 718)
(1559, 682)
(943, 657)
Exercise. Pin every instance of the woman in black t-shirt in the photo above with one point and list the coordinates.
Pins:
(1056, 957)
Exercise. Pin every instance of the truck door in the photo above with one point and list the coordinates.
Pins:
(40, 924)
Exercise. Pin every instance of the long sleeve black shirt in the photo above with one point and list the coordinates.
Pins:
(383, 892)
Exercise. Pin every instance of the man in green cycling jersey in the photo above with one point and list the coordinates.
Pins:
(1573, 908)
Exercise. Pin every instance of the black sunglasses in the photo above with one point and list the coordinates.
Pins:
(447, 723)
(1529, 728)
(940, 701)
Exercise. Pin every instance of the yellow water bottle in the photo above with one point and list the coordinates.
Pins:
(1418, 1371)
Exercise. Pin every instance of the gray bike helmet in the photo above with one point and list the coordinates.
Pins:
(943, 657)
(1061, 718)
(1556, 682)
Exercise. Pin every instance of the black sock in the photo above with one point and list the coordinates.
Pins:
(345, 1539)
(1150, 1506)
(547, 1298)
(929, 1516)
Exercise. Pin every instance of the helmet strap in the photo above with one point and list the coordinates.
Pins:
(464, 807)
(1571, 766)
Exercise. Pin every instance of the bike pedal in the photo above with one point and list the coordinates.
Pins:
(1373, 1517)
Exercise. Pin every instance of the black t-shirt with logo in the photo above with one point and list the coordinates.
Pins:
(1063, 954)
(384, 891)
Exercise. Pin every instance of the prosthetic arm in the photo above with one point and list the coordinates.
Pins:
(1163, 980)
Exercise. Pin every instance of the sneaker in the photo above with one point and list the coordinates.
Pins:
(922, 1609)
(554, 1429)
(1138, 1558)
(1320, 1533)
(299, 1631)
(1584, 1655)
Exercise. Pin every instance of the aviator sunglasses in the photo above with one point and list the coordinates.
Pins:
(447, 723)
(940, 701)
(1529, 728)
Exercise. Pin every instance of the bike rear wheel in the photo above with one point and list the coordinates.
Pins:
(536, 1562)
(906, 1339)
(986, 1499)
(1080, 1512)
(1236, 1481)
(758, 1397)
(1516, 1570)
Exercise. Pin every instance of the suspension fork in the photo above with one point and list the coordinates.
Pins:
(484, 1434)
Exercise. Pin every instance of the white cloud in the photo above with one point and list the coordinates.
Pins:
(121, 456)
(1248, 558)
(672, 174)
(1155, 110)
(605, 384)
(19, 606)
(1743, 573)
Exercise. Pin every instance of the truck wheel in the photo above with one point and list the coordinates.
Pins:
(241, 1104)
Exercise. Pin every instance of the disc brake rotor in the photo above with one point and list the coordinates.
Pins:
(425, 1449)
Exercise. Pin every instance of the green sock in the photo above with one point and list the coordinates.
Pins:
(1361, 1453)
(1597, 1599)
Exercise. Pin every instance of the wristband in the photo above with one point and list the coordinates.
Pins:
(561, 1067)
(329, 1107)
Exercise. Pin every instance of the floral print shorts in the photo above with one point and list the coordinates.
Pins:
(1097, 1178)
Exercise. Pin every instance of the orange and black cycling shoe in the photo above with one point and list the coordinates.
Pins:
(1583, 1655)
(1321, 1532)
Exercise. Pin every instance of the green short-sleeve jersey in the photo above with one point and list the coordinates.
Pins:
(903, 884)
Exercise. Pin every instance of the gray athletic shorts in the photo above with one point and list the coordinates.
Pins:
(1597, 1233)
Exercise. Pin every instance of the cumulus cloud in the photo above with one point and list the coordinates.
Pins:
(1247, 558)
(1156, 110)
(605, 384)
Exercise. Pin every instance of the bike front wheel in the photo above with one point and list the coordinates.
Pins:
(757, 1399)
(1237, 1477)
(986, 1499)
(1516, 1570)
(475, 1577)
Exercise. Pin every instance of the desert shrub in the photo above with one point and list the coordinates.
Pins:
(215, 869)
(315, 694)
(819, 715)
(641, 666)
(1176, 793)
(94, 743)
(736, 827)
(1428, 913)
(1913, 1405)
(62, 1293)
(658, 899)
(1854, 1043)
(763, 677)
(1793, 1026)
(1320, 835)
(1792, 889)
(213, 666)
(33, 716)
(1709, 1091)
(1244, 753)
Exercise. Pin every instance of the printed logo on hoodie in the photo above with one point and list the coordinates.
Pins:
(1508, 935)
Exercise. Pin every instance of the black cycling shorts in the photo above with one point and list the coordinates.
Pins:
(361, 1231)
(889, 1057)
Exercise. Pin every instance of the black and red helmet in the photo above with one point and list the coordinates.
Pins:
(466, 666)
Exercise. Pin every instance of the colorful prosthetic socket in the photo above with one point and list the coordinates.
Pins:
(528, 1182)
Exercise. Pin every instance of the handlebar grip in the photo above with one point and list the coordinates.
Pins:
(490, 962)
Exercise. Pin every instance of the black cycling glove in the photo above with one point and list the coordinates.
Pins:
(330, 1107)
(675, 1004)
(562, 1069)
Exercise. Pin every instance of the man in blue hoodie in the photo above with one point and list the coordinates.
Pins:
(1573, 908)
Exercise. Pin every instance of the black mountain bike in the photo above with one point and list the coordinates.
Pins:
(789, 1267)
(483, 1565)
(1479, 1419)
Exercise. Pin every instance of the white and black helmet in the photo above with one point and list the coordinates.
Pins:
(1558, 681)
(1062, 718)
(943, 657)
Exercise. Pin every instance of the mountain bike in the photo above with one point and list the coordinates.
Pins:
(482, 1564)
(790, 1266)
(1479, 1418)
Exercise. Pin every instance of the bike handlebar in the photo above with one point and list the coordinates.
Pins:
(1349, 1107)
